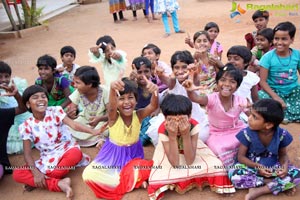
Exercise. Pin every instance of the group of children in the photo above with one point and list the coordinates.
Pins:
(207, 121)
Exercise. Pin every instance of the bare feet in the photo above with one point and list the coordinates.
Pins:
(144, 185)
(180, 31)
(253, 193)
(117, 22)
(166, 35)
(65, 186)
(28, 188)
(290, 192)
(124, 19)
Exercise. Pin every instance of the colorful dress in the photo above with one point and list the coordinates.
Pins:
(14, 141)
(89, 109)
(223, 127)
(250, 38)
(216, 47)
(111, 70)
(135, 4)
(67, 74)
(51, 137)
(205, 170)
(115, 170)
(56, 95)
(246, 177)
(283, 80)
(116, 6)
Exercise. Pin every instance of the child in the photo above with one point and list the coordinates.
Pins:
(115, 169)
(113, 61)
(67, 68)
(55, 84)
(165, 7)
(223, 110)
(134, 5)
(58, 152)
(263, 164)
(152, 52)
(6, 122)
(278, 72)
(240, 57)
(14, 142)
(117, 7)
(260, 19)
(92, 99)
(264, 43)
(146, 10)
(180, 160)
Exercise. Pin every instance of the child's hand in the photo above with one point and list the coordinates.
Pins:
(39, 179)
(159, 71)
(100, 130)
(265, 172)
(11, 90)
(151, 87)
(189, 86)
(117, 85)
(282, 172)
(93, 121)
(95, 50)
(184, 125)
(71, 112)
(280, 101)
(133, 73)
(171, 125)
(189, 41)
(115, 55)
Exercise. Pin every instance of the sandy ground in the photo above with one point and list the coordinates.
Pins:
(81, 26)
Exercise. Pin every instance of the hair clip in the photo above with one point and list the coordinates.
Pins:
(224, 68)
(146, 45)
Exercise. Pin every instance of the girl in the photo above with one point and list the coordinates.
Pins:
(55, 84)
(278, 72)
(115, 169)
(180, 160)
(152, 52)
(117, 7)
(92, 99)
(14, 142)
(134, 5)
(223, 110)
(263, 164)
(58, 152)
(113, 61)
(260, 19)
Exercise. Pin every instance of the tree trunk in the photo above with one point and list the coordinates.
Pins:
(11, 19)
(33, 12)
(18, 14)
(27, 13)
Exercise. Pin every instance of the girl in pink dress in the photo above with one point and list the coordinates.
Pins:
(223, 110)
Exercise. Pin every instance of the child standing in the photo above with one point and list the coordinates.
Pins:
(14, 142)
(68, 67)
(223, 110)
(5, 124)
(278, 72)
(113, 61)
(180, 160)
(164, 7)
(55, 84)
(117, 7)
(58, 152)
(146, 10)
(260, 19)
(92, 100)
(115, 169)
(263, 164)
(134, 5)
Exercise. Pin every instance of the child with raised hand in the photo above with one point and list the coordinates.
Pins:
(68, 67)
(91, 99)
(223, 109)
(260, 19)
(55, 84)
(113, 62)
(278, 72)
(152, 52)
(14, 142)
(119, 166)
(180, 160)
(58, 151)
(6, 122)
(263, 164)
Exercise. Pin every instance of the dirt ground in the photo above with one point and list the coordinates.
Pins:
(81, 26)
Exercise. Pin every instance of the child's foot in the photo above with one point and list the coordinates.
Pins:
(290, 192)
(117, 22)
(124, 19)
(180, 31)
(166, 35)
(144, 185)
(134, 18)
(254, 193)
(65, 186)
(28, 188)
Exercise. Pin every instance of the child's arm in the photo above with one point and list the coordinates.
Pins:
(115, 87)
(189, 41)
(94, 121)
(254, 94)
(263, 73)
(190, 88)
(80, 127)
(170, 81)
(39, 177)
(67, 101)
(153, 105)
(72, 110)
(283, 160)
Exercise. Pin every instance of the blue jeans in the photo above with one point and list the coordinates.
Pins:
(174, 20)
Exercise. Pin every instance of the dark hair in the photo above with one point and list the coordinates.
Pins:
(260, 13)
(106, 39)
(198, 33)
(286, 26)
(130, 87)
(31, 90)
(140, 61)
(210, 25)
(46, 60)
(271, 110)
(5, 68)
(176, 105)
(231, 71)
(88, 75)
(155, 48)
(241, 51)
(67, 49)
(183, 56)
(267, 33)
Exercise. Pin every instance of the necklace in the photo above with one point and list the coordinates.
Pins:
(279, 60)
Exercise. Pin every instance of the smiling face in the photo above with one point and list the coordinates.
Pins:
(80, 85)
(150, 54)
(45, 72)
(109, 50)
(213, 33)
(202, 43)
(180, 69)
(260, 23)
(5, 78)
(38, 103)
(282, 42)
(227, 85)
(126, 104)
(263, 43)
(237, 61)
